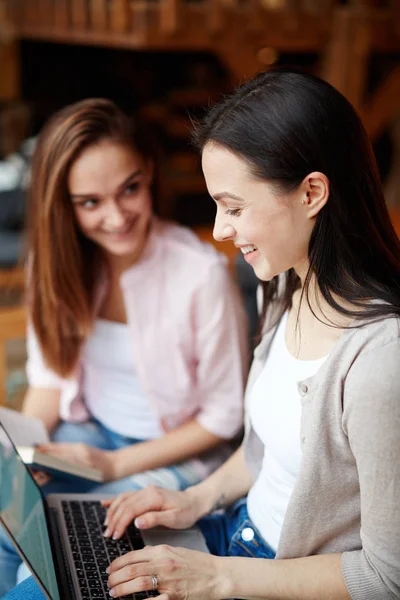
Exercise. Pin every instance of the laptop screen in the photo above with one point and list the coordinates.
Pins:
(23, 514)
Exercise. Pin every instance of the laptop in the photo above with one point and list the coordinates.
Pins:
(60, 537)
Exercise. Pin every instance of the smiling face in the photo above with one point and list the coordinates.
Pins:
(109, 186)
(271, 229)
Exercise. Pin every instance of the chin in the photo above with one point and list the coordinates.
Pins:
(264, 273)
(120, 251)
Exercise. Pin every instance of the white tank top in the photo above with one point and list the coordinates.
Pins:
(111, 388)
(275, 414)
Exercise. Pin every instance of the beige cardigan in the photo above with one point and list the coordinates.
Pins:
(347, 493)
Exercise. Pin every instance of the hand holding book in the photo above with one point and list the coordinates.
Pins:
(32, 441)
(81, 455)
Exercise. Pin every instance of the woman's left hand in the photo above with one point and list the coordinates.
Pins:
(181, 574)
(82, 454)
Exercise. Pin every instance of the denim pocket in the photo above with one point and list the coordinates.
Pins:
(248, 542)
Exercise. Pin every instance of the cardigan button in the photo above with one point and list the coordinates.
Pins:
(304, 388)
(247, 534)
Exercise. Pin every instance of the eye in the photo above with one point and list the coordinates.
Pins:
(89, 204)
(132, 188)
(233, 212)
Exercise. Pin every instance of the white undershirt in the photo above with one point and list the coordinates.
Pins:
(275, 414)
(111, 388)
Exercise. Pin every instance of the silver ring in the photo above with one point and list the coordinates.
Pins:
(154, 582)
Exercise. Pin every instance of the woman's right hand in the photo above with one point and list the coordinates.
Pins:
(150, 507)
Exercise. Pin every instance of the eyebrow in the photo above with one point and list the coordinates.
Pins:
(227, 195)
(120, 187)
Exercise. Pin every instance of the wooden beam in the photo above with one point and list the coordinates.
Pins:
(98, 15)
(345, 64)
(336, 54)
(79, 14)
(61, 14)
(46, 12)
(383, 106)
(215, 17)
(357, 69)
(120, 14)
(168, 11)
(30, 12)
(10, 84)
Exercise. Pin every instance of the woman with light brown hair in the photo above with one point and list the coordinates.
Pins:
(136, 342)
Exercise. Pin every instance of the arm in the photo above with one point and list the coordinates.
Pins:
(221, 351)
(156, 506)
(43, 403)
(371, 420)
(227, 484)
(184, 442)
(184, 573)
(42, 399)
(310, 578)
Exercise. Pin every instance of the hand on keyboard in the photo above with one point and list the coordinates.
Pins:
(151, 507)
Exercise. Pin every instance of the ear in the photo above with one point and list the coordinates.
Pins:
(315, 193)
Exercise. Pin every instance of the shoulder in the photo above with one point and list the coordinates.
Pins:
(371, 338)
(372, 361)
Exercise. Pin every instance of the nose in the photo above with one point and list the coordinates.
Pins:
(114, 216)
(223, 231)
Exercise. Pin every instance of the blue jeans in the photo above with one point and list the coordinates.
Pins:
(224, 536)
(232, 533)
(95, 434)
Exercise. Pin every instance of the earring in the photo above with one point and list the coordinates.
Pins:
(303, 201)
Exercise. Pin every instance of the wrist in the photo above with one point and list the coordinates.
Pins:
(111, 465)
(224, 582)
(199, 500)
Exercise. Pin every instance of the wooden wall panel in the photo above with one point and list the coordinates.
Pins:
(98, 15)
(10, 84)
(61, 14)
(168, 17)
(120, 16)
(79, 14)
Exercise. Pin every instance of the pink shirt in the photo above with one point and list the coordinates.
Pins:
(189, 336)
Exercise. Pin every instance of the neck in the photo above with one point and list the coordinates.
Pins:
(316, 304)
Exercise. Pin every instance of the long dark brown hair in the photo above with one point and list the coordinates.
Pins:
(286, 124)
(63, 264)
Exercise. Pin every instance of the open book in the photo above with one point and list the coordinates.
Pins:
(28, 432)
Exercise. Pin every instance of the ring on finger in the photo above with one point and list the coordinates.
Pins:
(154, 582)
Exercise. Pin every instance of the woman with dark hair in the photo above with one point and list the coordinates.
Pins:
(136, 343)
(290, 167)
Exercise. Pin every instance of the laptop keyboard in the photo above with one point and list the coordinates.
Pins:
(92, 552)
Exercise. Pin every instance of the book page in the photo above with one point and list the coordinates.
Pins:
(24, 431)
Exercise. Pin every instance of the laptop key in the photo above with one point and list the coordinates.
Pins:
(97, 594)
(103, 563)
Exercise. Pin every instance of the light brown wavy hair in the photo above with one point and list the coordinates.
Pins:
(64, 265)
